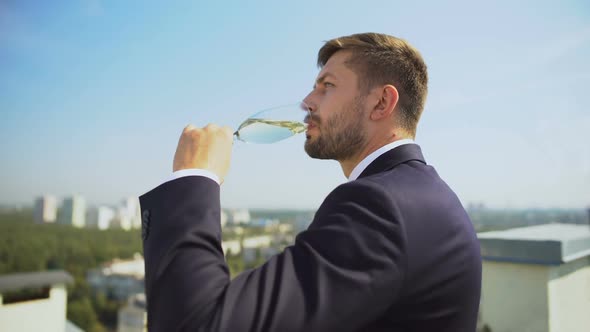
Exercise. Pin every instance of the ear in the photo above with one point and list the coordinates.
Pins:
(388, 98)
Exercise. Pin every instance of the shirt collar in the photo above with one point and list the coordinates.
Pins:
(374, 155)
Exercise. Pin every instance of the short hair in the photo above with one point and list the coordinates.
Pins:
(380, 59)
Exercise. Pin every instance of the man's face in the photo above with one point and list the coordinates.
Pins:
(337, 128)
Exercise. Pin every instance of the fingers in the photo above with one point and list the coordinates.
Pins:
(188, 128)
(215, 128)
(211, 127)
(190, 132)
(204, 148)
(228, 130)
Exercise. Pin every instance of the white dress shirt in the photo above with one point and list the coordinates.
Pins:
(353, 175)
(374, 155)
(193, 172)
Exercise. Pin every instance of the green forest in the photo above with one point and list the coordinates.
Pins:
(29, 247)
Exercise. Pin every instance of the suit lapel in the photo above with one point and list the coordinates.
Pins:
(394, 157)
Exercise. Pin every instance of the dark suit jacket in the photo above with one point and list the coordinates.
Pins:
(391, 251)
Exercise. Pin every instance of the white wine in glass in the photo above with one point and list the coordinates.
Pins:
(273, 125)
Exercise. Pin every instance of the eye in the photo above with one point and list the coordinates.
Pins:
(329, 84)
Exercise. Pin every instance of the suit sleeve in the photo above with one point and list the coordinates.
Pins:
(341, 274)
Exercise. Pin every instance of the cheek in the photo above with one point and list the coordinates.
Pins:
(330, 124)
(328, 108)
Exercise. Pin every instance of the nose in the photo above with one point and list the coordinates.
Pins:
(308, 105)
(304, 107)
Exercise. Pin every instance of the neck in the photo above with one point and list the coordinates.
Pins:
(349, 164)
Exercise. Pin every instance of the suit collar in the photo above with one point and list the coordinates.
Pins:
(360, 167)
(394, 157)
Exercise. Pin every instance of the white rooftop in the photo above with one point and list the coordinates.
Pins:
(130, 267)
(549, 244)
(550, 232)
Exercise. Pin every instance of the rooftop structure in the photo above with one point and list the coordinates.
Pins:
(41, 308)
(551, 244)
(536, 278)
(18, 281)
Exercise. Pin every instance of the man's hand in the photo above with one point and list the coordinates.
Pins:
(205, 148)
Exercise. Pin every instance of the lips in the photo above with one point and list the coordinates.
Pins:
(311, 122)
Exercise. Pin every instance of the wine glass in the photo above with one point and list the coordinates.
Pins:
(274, 124)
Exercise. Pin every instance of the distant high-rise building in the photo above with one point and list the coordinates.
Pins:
(100, 217)
(45, 210)
(128, 214)
(73, 211)
(122, 219)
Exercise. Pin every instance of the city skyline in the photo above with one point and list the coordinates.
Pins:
(94, 96)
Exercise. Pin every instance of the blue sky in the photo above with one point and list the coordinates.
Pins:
(94, 94)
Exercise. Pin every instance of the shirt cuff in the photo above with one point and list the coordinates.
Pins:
(193, 172)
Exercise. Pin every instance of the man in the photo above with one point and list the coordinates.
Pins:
(390, 250)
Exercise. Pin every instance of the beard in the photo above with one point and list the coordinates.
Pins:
(341, 136)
